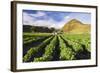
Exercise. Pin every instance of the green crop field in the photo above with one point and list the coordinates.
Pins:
(39, 47)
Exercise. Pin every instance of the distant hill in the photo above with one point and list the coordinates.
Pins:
(75, 26)
(29, 28)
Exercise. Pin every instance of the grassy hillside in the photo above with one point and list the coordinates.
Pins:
(75, 26)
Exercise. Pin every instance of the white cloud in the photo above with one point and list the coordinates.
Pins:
(38, 14)
(66, 17)
(47, 23)
(27, 19)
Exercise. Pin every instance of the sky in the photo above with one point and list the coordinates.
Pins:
(54, 19)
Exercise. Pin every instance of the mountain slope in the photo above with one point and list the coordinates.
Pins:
(75, 26)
